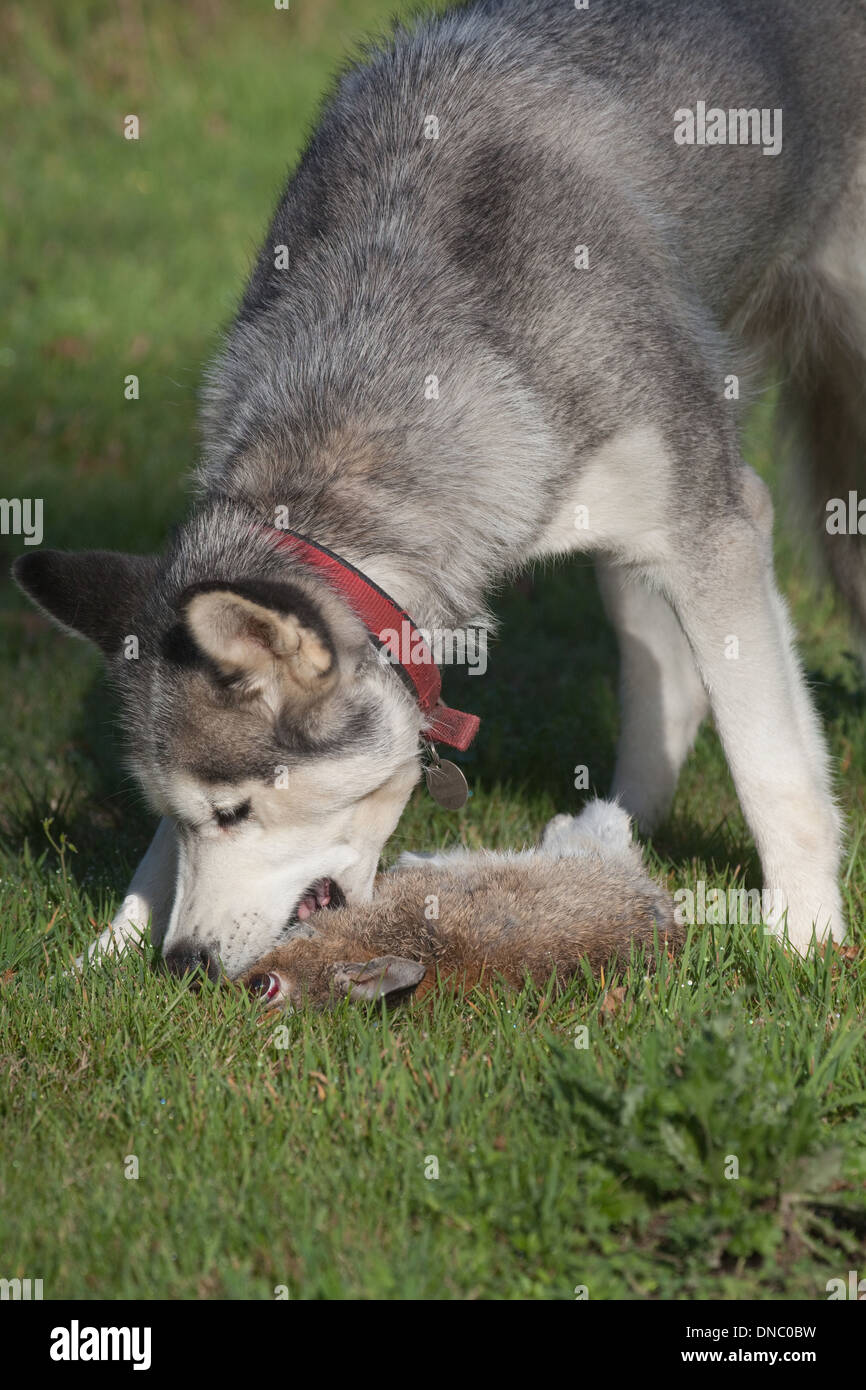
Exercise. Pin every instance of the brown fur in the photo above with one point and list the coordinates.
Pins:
(524, 916)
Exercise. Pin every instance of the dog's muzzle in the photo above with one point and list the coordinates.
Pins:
(190, 958)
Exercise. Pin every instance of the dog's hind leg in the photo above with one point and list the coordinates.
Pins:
(719, 578)
(662, 698)
(148, 900)
(833, 431)
(825, 399)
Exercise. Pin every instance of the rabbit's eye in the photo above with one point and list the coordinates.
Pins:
(267, 986)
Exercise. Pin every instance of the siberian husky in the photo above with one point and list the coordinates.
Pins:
(532, 257)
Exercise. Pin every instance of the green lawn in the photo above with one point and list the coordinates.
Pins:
(306, 1166)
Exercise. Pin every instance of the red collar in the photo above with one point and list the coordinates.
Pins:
(381, 615)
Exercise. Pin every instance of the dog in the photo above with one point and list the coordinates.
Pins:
(583, 897)
(530, 261)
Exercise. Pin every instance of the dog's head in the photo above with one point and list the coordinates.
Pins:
(260, 720)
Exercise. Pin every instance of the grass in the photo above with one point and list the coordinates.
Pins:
(303, 1160)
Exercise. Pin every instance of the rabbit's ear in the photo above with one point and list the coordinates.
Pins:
(382, 978)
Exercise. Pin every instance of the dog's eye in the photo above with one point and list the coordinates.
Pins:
(233, 816)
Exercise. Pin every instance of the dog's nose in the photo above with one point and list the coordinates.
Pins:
(187, 957)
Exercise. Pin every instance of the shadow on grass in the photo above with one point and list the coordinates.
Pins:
(548, 699)
(98, 809)
(840, 698)
(722, 847)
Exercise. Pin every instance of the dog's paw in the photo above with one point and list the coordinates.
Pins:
(127, 931)
(789, 917)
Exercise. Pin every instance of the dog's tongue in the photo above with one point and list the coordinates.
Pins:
(314, 899)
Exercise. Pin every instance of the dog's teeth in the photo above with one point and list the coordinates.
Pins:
(318, 897)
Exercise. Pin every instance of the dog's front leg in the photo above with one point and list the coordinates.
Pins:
(148, 900)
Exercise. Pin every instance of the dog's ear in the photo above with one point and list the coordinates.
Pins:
(380, 978)
(95, 594)
(267, 639)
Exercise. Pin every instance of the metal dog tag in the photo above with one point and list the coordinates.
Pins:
(446, 784)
